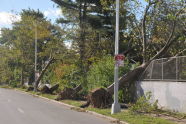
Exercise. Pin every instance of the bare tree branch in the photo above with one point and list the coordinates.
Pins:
(143, 31)
(181, 52)
(169, 40)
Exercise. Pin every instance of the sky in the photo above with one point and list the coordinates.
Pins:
(9, 10)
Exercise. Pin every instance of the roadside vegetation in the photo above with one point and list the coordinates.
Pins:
(75, 57)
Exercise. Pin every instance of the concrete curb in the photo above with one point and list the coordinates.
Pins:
(113, 120)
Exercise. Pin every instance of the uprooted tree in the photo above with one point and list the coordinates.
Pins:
(99, 97)
(161, 29)
(69, 93)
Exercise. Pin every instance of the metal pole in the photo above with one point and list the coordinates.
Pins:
(177, 69)
(162, 75)
(116, 106)
(35, 65)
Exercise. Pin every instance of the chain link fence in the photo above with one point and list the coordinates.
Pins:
(166, 69)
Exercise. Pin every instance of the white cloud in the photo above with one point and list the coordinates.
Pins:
(7, 18)
(52, 12)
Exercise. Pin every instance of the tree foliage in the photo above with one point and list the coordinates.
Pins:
(18, 43)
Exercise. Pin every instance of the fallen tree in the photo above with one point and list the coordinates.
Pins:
(132, 76)
(129, 77)
(98, 98)
(69, 93)
(49, 90)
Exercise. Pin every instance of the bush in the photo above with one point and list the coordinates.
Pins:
(143, 105)
(101, 73)
(13, 83)
(64, 74)
(127, 93)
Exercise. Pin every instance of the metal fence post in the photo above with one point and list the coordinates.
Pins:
(152, 69)
(162, 68)
(176, 69)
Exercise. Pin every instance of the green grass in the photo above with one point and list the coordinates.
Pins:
(140, 119)
(73, 102)
(124, 115)
(131, 118)
(50, 96)
(5, 86)
(172, 114)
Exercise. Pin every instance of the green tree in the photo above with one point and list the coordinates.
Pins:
(19, 42)
(90, 29)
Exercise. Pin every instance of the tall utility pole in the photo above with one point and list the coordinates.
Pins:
(116, 106)
(35, 64)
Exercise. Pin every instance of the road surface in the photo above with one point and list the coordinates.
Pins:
(19, 108)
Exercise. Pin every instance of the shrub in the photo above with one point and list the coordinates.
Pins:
(101, 73)
(127, 93)
(143, 105)
(64, 74)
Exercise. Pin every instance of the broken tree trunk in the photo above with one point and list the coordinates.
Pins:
(54, 88)
(49, 90)
(69, 93)
(45, 89)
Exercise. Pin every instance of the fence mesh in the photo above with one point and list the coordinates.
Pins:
(170, 69)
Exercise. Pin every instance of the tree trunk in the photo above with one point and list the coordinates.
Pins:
(69, 93)
(82, 40)
(129, 77)
(22, 76)
(49, 90)
(42, 74)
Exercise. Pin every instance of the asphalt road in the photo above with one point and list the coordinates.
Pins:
(19, 108)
